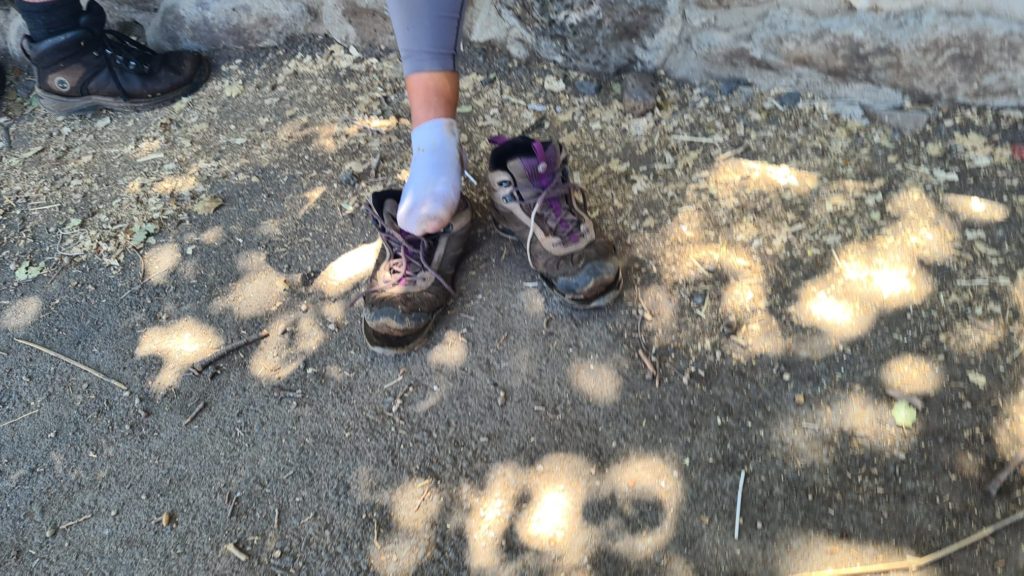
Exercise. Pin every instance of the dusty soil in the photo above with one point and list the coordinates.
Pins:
(791, 274)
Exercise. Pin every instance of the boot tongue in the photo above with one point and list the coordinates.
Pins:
(93, 17)
(537, 171)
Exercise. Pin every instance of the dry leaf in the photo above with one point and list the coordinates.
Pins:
(207, 205)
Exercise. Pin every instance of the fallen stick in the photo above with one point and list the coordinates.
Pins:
(230, 547)
(739, 505)
(74, 363)
(198, 368)
(67, 525)
(194, 413)
(9, 422)
(915, 563)
(1004, 474)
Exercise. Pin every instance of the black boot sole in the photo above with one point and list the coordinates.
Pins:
(393, 345)
(601, 300)
(67, 105)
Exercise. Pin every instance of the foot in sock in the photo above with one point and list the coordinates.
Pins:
(431, 195)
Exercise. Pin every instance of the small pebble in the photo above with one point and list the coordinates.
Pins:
(799, 399)
(788, 99)
(698, 299)
(348, 178)
(588, 87)
(51, 532)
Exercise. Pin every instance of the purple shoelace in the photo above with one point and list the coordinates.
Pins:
(409, 257)
(554, 198)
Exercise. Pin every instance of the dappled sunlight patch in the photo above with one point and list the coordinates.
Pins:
(734, 178)
(969, 465)
(532, 301)
(976, 210)
(451, 352)
(640, 479)
(212, 236)
(813, 551)
(312, 196)
(552, 520)
(21, 313)
(414, 507)
(922, 229)
(335, 312)
(840, 317)
(374, 124)
(598, 381)
(879, 275)
(912, 375)
(1009, 427)
(811, 436)
(178, 183)
(325, 136)
(974, 337)
(178, 345)
(294, 336)
(759, 335)
(269, 228)
(869, 420)
(557, 514)
(260, 290)
(661, 303)
(347, 270)
(160, 262)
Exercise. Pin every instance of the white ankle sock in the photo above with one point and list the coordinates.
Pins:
(431, 194)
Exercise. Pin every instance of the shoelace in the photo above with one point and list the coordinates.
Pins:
(559, 214)
(123, 51)
(409, 257)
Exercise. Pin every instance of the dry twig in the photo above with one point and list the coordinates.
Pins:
(198, 368)
(230, 547)
(739, 505)
(194, 413)
(1004, 474)
(67, 525)
(9, 422)
(74, 363)
(915, 563)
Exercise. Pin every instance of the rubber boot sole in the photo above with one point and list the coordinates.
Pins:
(393, 346)
(601, 300)
(67, 105)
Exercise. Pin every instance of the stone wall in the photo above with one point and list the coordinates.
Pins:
(876, 52)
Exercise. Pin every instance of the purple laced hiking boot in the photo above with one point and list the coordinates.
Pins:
(414, 276)
(535, 200)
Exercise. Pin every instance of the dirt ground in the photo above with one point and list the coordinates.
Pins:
(793, 275)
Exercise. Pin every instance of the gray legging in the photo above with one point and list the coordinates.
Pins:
(427, 33)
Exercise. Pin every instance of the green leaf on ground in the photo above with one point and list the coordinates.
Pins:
(141, 232)
(27, 272)
(904, 414)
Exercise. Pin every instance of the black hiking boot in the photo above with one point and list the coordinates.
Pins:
(414, 276)
(91, 68)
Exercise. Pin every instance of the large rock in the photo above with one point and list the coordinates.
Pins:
(873, 52)
(211, 24)
(363, 22)
(602, 35)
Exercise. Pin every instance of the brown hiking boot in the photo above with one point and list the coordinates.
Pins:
(536, 201)
(414, 277)
(92, 68)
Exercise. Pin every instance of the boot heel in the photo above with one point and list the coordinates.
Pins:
(63, 106)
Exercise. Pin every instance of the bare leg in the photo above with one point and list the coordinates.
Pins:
(427, 33)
